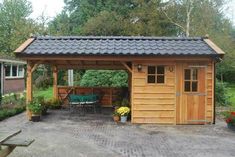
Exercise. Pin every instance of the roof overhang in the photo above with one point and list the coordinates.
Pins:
(218, 55)
(218, 50)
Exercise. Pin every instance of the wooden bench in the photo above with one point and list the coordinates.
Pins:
(11, 141)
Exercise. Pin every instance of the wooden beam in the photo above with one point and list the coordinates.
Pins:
(127, 67)
(55, 82)
(214, 47)
(24, 45)
(102, 67)
(114, 58)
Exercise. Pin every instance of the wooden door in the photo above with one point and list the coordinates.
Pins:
(191, 94)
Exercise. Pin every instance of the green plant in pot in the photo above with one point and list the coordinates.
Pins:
(43, 103)
(36, 109)
(230, 119)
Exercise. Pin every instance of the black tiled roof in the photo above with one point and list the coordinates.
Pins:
(112, 45)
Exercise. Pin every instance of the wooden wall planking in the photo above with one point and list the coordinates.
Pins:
(153, 103)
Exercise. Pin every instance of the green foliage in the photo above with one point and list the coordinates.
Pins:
(35, 107)
(104, 78)
(105, 23)
(12, 104)
(5, 113)
(47, 94)
(222, 96)
(13, 15)
(54, 104)
(43, 82)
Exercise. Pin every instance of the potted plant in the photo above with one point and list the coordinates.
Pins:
(230, 120)
(35, 108)
(123, 112)
(116, 116)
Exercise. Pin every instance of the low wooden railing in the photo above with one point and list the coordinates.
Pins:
(110, 94)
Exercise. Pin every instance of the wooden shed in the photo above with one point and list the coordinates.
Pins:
(171, 79)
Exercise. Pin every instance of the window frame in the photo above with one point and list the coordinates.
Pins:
(11, 71)
(191, 80)
(156, 74)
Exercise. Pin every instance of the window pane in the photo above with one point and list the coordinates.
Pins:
(151, 79)
(187, 86)
(8, 70)
(187, 73)
(14, 70)
(160, 79)
(20, 71)
(160, 69)
(194, 86)
(151, 70)
(194, 71)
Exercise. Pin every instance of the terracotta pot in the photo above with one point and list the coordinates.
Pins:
(116, 118)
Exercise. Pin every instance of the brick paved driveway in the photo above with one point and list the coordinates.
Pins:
(61, 134)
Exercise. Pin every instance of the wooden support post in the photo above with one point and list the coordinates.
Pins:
(55, 82)
(29, 87)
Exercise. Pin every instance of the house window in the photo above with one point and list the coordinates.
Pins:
(20, 71)
(156, 74)
(14, 71)
(191, 80)
(7, 70)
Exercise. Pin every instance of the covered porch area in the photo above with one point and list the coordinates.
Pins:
(109, 94)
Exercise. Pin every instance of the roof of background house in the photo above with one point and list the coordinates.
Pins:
(118, 45)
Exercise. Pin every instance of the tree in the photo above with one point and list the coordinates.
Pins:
(105, 23)
(14, 26)
(192, 16)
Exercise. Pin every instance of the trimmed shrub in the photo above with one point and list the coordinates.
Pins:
(221, 94)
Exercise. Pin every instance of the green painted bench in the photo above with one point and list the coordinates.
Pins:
(83, 101)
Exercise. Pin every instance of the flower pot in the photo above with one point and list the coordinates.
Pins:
(231, 126)
(35, 117)
(116, 118)
(123, 119)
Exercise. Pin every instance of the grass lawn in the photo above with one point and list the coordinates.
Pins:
(47, 93)
(231, 90)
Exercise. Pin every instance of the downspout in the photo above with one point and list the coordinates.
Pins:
(214, 93)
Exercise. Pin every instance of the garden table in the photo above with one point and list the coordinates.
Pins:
(11, 141)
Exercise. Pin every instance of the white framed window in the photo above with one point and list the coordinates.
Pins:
(14, 71)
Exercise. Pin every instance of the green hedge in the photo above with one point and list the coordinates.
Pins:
(5, 113)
